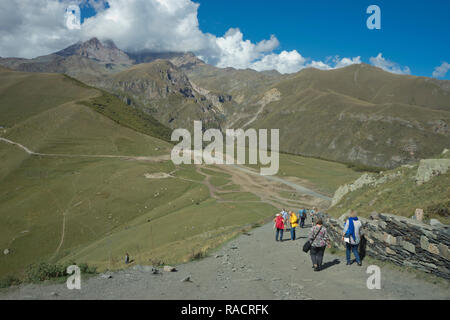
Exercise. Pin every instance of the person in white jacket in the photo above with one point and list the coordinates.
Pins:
(352, 237)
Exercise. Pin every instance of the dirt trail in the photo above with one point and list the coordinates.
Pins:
(253, 266)
(297, 187)
(136, 158)
(248, 178)
(263, 187)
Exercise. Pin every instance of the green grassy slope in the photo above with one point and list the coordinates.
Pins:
(339, 128)
(131, 117)
(55, 208)
(320, 175)
(40, 111)
(18, 90)
(371, 84)
(317, 116)
(325, 176)
(401, 196)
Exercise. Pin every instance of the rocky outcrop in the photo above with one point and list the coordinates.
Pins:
(400, 240)
(365, 179)
(270, 96)
(217, 100)
(163, 90)
(427, 169)
(431, 167)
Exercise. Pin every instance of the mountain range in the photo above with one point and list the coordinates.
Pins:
(357, 114)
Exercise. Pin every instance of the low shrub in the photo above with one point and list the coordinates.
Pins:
(46, 271)
(364, 168)
(86, 269)
(441, 209)
(9, 281)
(197, 255)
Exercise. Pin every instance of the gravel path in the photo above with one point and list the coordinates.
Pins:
(253, 266)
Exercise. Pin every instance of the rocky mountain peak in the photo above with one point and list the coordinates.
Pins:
(186, 60)
(104, 52)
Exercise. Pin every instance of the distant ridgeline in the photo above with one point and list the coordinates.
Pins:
(360, 114)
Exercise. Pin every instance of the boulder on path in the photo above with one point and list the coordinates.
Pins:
(169, 269)
(155, 271)
(6, 252)
(186, 279)
(435, 222)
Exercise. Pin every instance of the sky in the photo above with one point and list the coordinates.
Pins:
(285, 35)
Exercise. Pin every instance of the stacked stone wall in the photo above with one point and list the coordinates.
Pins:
(403, 241)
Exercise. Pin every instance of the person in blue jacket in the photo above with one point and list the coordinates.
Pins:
(352, 237)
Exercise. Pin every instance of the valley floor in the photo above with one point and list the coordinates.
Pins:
(253, 266)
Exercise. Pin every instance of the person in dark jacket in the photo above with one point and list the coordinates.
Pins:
(302, 214)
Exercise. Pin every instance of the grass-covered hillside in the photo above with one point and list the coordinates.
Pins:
(93, 185)
(400, 194)
(321, 175)
(42, 112)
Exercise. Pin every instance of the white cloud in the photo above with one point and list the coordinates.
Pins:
(387, 65)
(344, 62)
(285, 62)
(29, 28)
(441, 71)
(320, 65)
(234, 51)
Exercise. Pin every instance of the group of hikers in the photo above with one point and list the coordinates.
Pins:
(318, 238)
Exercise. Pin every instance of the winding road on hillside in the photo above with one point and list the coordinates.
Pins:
(253, 266)
(228, 168)
(137, 158)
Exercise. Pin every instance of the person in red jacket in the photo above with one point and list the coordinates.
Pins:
(279, 225)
